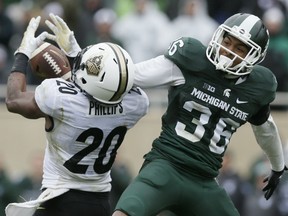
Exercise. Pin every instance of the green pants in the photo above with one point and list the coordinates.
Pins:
(160, 186)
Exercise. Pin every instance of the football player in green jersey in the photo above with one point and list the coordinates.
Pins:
(212, 92)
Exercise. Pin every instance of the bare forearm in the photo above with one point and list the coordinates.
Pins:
(15, 86)
(16, 83)
(18, 100)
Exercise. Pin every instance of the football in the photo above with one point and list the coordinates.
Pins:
(48, 61)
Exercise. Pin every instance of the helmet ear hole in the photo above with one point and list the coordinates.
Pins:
(83, 81)
(102, 77)
(82, 66)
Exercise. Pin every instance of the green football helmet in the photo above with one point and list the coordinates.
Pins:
(250, 30)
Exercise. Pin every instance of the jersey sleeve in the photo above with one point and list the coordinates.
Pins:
(185, 52)
(157, 72)
(47, 97)
(264, 84)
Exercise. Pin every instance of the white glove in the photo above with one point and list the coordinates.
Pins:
(29, 42)
(63, 36)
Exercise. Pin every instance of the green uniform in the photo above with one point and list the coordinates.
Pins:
(201, 117)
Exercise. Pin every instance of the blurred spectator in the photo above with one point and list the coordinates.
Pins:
(220, 10)
(85, 25)
(121, 178)
(255, 203)
(236, 187)
(103, 21)
(29, 185)
(123, 7)
(282, 195)
(170, 8)
(52, 7)
(143, 32)
(6, 27)
(258, 7)
(277, 54)
(194, 21)
(8, 192)
(4, 64)
(18, 13)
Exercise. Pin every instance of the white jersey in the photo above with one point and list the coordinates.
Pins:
(83, 142)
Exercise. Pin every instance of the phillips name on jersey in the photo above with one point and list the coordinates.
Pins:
(96, 108)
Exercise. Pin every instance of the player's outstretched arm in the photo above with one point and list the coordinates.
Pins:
(268, 138)
(18, 100)
(63, 36)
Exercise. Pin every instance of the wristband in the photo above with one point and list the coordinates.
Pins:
(20, 63)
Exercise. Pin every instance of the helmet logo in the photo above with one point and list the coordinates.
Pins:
(93, 65)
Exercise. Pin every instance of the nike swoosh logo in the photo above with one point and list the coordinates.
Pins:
(240, 102)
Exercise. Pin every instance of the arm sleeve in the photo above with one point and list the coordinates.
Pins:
(157, 72)
(268, 138)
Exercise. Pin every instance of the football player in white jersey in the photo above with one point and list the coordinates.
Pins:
(86, 119)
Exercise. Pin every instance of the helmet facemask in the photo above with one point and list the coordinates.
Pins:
(255, 54)
(77, 63)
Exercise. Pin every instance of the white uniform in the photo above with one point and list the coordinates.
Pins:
(81, 146)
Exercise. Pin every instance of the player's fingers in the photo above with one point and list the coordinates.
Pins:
(39, 39)
(268, 194)
(50, 25)
(266, 179)
(34, 23)
(62, 23)
(55, 21)
(51, 37)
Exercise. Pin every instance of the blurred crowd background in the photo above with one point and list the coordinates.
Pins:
(145, 29)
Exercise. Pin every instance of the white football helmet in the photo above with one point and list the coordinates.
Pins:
(250, 30)
(105, 71)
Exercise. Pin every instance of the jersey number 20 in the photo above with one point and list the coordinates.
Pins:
(73, 164)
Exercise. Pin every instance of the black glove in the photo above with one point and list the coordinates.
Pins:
(272, 182)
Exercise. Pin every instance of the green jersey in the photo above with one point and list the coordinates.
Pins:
(207, 109)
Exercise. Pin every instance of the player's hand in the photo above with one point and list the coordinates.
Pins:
(272, 182)
(29, 42)
(63, 36)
